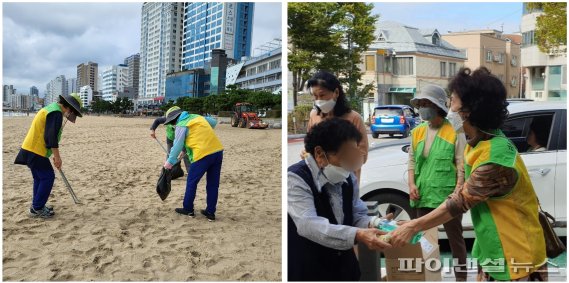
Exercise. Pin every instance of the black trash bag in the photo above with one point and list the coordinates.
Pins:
(164, 187)
(177, 171)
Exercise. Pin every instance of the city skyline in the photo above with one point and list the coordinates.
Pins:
(88, 39)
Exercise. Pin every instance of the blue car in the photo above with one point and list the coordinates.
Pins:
(393, 119)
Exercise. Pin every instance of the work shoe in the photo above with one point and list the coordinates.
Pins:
(185, 212)
(210, 216)
(42, 213)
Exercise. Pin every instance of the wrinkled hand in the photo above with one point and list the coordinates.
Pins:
(167, 165)
(370, 237)
(414, 192)
(57, 161)
(153, 134)
(403, 234)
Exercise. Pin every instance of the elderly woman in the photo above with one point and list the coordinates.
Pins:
(498, 192)
(330, 101)
(436, 153)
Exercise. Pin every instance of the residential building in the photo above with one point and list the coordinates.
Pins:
(216, 25)
(403, 59)
(493, 50)
(545, 73)
(160, 48)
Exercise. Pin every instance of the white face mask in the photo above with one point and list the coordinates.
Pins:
(455, 120)
(325, 105)
(335, 174)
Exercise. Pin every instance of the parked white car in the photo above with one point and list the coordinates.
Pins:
(384, 176)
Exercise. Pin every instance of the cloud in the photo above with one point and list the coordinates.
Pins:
(267, 24)
(44, 40)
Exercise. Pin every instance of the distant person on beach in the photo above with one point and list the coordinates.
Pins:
(40, 143)
(205, 151)
(169, 134)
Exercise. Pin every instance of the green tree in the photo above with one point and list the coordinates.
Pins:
(328, 36)
(551, 26)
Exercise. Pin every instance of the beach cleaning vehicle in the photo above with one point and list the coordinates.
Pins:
(245, 116)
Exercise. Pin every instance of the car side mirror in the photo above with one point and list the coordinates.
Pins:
(405, 148)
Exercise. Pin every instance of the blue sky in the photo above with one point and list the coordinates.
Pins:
(458, 16)
(43, 40)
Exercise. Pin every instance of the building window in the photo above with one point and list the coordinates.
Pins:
(436, 39)
(489, 56)
(403, 66)
(451, 69)
(528, 38)
(501, 58)
(514, 60)
(370, 62)
(443, 69)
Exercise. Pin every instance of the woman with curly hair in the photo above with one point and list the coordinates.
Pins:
(509, 243)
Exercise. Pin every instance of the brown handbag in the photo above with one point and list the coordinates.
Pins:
(553, 245)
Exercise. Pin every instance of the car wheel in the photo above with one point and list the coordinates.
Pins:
(406, 133)
(375, 135)
(392, 203)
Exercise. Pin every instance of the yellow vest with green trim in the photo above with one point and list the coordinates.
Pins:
(201, 140)
(435, 175)
(170, 132)
(34, 140)
(507, 228)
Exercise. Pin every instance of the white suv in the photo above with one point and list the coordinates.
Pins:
(384, 176)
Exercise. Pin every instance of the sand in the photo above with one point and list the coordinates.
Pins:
(123, 231)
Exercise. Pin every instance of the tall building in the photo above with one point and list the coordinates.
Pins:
(55, 88)
(34, 91)
(493, 50)
(86, 95)
(72, 86)
(545, 74)
(133, 64)
(87, 74)
(216, 25)
(7, 92)
(114, 80)
(160, 48)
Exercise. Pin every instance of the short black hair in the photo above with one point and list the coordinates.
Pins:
(483, 95)
(330, 82)
(541, 127)
(331, 134)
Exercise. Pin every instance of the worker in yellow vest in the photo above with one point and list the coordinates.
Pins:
(41, 142)
(435, 153)
(195, 133)
(509, 244)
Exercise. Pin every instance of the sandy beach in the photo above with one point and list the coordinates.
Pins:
(123, 231)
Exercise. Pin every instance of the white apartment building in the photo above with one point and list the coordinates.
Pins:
(113, 80)
(160, 47)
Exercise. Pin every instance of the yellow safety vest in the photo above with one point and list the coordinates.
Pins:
(201, 140)
(34, 140)
(509, 237)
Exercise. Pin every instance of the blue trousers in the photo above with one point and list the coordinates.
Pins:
(43, 174)
(211, 165)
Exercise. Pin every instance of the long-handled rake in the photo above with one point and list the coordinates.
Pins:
(75, 199)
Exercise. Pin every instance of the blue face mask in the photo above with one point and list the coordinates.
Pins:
(427, 113)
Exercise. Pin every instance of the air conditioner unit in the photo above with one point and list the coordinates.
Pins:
(497, 58)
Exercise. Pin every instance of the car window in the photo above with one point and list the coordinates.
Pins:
(388, 111)
(562, 144)
(519, 129)
(408, 112)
